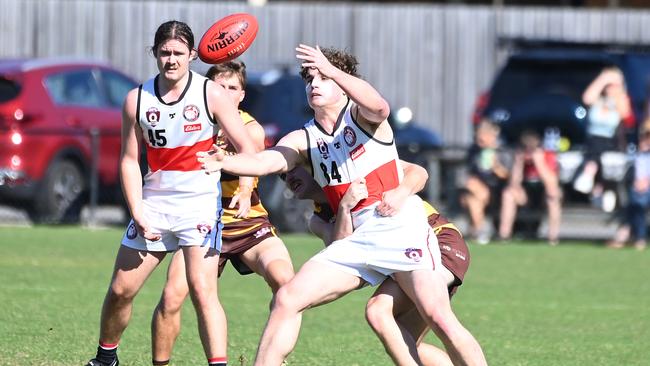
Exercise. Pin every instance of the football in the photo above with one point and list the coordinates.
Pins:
(227, 38)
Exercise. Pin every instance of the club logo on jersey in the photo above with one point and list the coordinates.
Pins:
(131, 232)
(413, 253)
(192, 127)
(191, 113)
(204, 229)
(357, 151)
(323, 149)
(350, 136)
(153, 116)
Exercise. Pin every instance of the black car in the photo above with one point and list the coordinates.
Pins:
(277, 99)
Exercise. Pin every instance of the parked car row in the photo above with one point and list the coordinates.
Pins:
(540, 87)
(52, 111)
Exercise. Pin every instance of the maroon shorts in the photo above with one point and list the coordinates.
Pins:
(233, 245)
(454, 254)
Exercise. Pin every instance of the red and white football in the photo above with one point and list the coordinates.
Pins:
(228, 38)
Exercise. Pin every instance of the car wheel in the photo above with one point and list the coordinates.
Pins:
(60, 197)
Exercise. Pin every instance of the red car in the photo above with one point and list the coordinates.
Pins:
(53, 112)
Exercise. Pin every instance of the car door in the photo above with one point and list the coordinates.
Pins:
(114, 87)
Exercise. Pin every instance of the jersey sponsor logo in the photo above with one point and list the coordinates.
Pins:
(204, 229)
(322, 148)
(261, 232)
(192, 127)
(357, 151)
(349, 136)
(131, 232)
(191, 113)
(414, 254)
(153, 116)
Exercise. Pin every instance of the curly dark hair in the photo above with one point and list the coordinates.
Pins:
(339, 58)
(234, 67)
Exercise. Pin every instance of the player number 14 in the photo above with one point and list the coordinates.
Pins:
(333, 174)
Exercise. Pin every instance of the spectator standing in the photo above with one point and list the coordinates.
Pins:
(534, 176)
(609, 105)
(638, 196)
(489, 166)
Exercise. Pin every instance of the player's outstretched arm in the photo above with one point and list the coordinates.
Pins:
(372, 106)
(278, 159)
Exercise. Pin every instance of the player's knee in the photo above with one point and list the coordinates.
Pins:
(202, 290)
(118, 293)
(279, 279)
(285, 301)
(170, 302)
(376, 311)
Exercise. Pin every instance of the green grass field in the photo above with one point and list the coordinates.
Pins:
(527, 304)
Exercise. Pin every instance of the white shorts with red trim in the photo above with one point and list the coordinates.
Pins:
(176, 231)
(381, 246)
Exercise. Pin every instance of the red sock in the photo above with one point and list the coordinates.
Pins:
(218, 361)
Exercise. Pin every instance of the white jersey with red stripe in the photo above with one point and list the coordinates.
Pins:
(174, 132)
(349, 153)
(379, 246)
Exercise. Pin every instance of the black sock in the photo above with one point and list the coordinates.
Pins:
(106, 353)
(159, 363)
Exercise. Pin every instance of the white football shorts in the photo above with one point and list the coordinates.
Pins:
(196, 229)
(381, 246)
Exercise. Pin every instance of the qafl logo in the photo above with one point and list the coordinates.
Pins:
(204, 229)
(131, 232)
(322, 148)
(350, 136)
(153, 116)
(191, 113)
(414, 254)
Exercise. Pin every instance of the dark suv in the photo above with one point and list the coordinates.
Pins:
(54, 116)
(277, 99)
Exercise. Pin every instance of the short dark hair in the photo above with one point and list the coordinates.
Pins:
(173, 29)
(234, 67)
(339, 58)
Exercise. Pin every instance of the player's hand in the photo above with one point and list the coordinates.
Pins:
(356, 192)
(242, 200)
(212, 160)
(145, 230)
(313, 57)
(641, 185)
(391, 202)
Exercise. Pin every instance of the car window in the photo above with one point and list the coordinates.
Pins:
(523, 78)
(116, 86)
(77, 88)
(8, 90)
